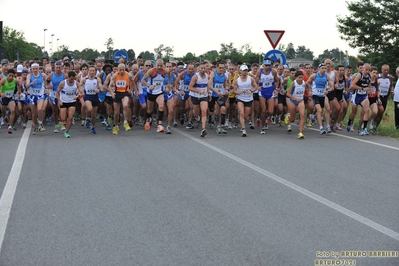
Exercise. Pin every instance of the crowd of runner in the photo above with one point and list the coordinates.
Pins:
(217, 95)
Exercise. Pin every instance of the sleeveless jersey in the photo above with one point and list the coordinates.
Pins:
(157, 81)
(121, 82)
(38, 88)
(364, 83)
(9, 88)
(319, 85)
(385, 84)
(266, 80)
(298, 90)
(90, 86)
(201, 84)
(68, 93)
(244, 86)
(374, 88)
(218, 83)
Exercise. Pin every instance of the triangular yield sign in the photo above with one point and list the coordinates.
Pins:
(274, 36)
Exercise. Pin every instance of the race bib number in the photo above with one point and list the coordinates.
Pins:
(157, 84)
(266, 84)
(9, 94)
(219, 87)
(320, 91)
(383, 92)
(36, 92)
(91, 91)
(120, 83)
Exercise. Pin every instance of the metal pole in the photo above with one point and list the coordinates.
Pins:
(44, 45)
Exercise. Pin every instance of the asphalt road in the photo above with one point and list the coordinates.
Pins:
(147, 198)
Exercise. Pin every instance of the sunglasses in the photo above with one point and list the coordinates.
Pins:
(148, 65)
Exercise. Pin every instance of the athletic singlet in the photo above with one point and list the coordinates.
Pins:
(186, 81)
(232, 79)
(341, 84)
(332, 78)
(374, 88)
(218, 83)
(244, 86)
(319, 85)
(90, 86)
(9, 88)
(38, 88)
(201, 84)
(121, 82)
(266, 80)
(385, 84)
(364, 83)
(157, 81)
(68, 92)
(298, 90)
(140, 86)
(56, 80)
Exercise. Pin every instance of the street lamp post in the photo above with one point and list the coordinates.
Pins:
(44, 44)
(57, 47)
(49, 45)
(52, 35)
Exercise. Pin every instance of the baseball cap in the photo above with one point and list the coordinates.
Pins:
(243, 67)
(25, 70)
(66, 58)
(267, 62)
(20, 68)
(4, 61)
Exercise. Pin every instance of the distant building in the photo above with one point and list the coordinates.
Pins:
(297, 61)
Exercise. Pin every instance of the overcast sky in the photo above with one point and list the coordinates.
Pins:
(187, 26)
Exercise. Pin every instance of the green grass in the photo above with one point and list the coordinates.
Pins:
(387, 125)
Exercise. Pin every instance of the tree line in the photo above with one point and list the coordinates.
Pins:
(371, 27)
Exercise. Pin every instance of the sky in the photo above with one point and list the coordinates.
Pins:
(186, 26)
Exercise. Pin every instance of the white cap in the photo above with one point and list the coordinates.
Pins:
(243, 67)
(20, 68)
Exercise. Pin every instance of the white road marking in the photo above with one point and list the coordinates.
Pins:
(307, 193)
(357, 139)
(7, 196)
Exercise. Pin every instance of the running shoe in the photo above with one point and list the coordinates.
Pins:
(1, 121)
(168, 130)
(93, 130)
(322, 131)
(115, 130)
(160, 128)
(19, 119)
(23, 125)
(223, 130)
(62, 126)
(273, 120)
(348, 128)
(203, 133)
(251, 125)
(82, 123)
(289, 129)
(56, 128)
(109, 120)
(108, 127)
(35, 130)
(219, 130)
(147, 125)
(308, 123)
(66, 134)
(243, 132)
(126, 126)
(14, 128)
(174, 123)
(328, 128)
(365, 132)
(287, 120)
(360, 132)
(262, 131)
(181, 120)
(189, 125)
(352, 129)
(41, 128)
(338, 127)
(258, 122)
(301, 136)
(235, 125)
(9, 130)
(342, 124)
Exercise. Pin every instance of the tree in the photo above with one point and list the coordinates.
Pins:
(211, 55)
(88, 54)
(131, 55)
(147, 55)
(227, 50)
(303, 52)
(290, 51)
(189, 57)
(15, 45)
(372, 27)
(109, 43)
(159, 51)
